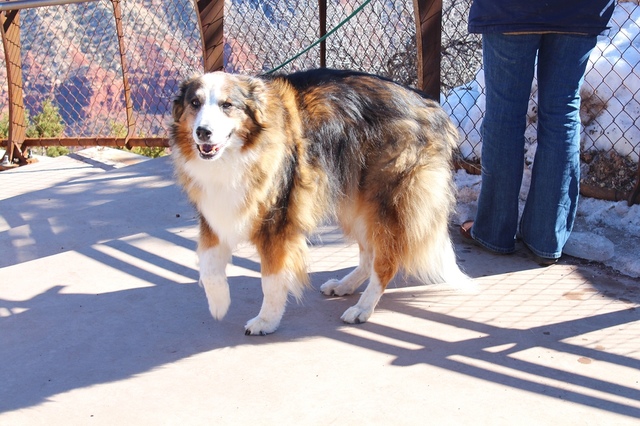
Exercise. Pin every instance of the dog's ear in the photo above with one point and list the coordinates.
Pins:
(257, 99)
(178, 105)
(178, 102)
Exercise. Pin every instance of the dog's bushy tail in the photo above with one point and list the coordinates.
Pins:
(428, 203)
(429, 253)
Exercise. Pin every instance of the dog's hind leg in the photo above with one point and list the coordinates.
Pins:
(349, 283)
(213, 259)
(384, 269)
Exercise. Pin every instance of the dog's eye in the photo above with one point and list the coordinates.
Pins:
(226, 106)
(195, 103)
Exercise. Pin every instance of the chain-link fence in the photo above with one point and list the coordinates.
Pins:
(610, 98)
(379, 39)
(71, 61)
(72, 67)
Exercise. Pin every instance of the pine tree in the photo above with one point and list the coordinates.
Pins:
(48, 123)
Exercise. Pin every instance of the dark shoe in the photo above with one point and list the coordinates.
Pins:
(544, 261)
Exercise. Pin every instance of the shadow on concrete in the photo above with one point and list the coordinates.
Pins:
(476, 357)
(58, 341)
(84, 211)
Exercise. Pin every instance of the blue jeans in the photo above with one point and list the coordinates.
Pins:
(550, 208)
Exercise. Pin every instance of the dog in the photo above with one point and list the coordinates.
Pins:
(267, 159)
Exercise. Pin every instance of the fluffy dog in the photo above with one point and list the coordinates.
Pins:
(267, 159)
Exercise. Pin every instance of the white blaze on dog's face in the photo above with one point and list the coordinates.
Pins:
(219, 109)
(212, 127)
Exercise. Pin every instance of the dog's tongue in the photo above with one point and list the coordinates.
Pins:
(206, 148)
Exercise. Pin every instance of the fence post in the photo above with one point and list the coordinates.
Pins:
(117, 14)
(634, 197)
(428, 16)
(10, 29)
(322, 15)
(210, 18)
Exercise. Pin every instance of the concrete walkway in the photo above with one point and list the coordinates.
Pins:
(102, 323)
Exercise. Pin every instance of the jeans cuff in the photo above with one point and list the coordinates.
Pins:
(491, 247)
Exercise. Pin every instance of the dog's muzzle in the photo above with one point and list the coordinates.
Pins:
(206, 149)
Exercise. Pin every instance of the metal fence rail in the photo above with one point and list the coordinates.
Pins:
(108, 69)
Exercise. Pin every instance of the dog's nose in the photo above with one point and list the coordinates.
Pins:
(203, 133)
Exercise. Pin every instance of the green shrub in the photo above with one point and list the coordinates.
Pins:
(149, 151)
(48, 122)
(56, 151)
(119, 130)
(4, 125)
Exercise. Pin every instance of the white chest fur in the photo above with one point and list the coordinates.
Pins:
(222, 199)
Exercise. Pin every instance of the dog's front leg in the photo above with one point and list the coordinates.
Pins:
(283, 270)
(274, 301)
(213, 258)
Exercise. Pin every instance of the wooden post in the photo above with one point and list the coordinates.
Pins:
(10, 29)
(210, 19)
(428, 16)
(322, 15)
(635, 194)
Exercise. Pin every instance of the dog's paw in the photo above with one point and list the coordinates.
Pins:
(356, 315)
(335, 288)
(218, 296)
(260, 327)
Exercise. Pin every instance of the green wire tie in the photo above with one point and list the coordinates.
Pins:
(320, 40)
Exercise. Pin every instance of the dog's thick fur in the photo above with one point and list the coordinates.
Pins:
(267, 159)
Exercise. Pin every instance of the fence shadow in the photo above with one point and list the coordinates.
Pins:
(59, 340)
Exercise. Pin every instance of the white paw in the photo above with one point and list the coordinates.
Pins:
(217, 291)
(356, 315)
(260, 327)
(335, 288)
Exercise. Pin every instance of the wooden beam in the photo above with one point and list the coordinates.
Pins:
(10, 29)
(428, 17)
(211, 19)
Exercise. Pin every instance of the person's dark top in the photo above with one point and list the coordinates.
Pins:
(530, 16)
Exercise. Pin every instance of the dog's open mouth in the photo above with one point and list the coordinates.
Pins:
(208, 151)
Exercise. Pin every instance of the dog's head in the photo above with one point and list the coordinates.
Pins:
(215, 112)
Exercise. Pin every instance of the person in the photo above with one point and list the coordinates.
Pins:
(555, 39)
